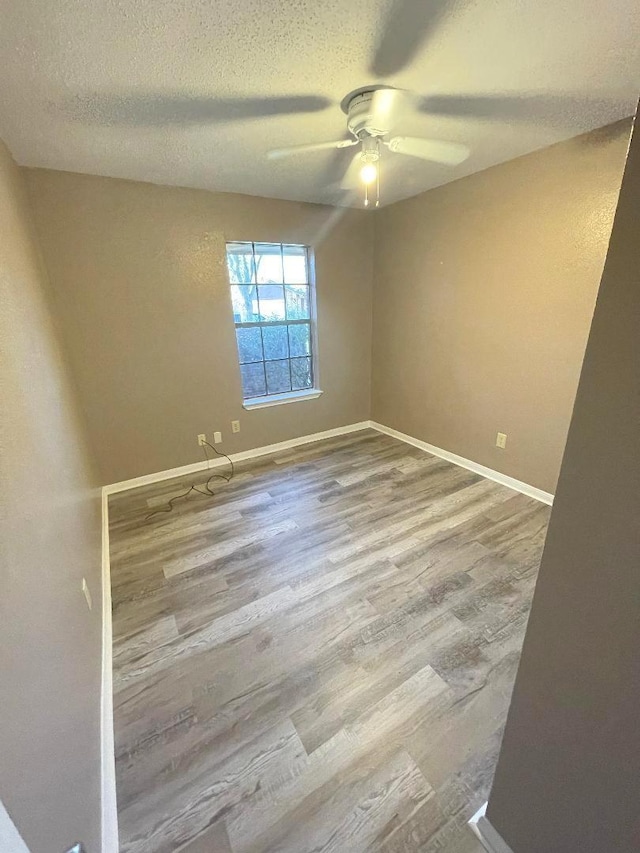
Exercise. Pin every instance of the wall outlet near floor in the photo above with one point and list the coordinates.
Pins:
(501, 440)
(87, 593)
(202, 439)
(235, 426)
(217, 438)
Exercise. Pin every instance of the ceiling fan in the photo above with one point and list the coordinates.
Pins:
(373, 114)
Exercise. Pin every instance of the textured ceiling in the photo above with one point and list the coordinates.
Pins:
(172, 91)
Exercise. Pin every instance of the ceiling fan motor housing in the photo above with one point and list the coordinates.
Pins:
(361, 120)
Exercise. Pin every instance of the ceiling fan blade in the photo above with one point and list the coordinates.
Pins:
(311, 146)
(447, 153)
(549, 108)
(408, 25)
(160, 110)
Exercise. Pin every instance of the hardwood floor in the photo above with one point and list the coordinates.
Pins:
(319, 658)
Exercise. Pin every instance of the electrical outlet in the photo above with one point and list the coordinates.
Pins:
(217, 438)
(202, 439)
(235, 426)
(87, 593)
(501, 440)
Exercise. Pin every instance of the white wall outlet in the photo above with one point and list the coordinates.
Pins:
(87, 593)
(501, 440)
(202, 439)
(217, 438)
(235, 426)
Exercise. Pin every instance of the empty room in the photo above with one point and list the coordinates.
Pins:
(319, 432)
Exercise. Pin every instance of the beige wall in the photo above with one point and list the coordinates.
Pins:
(484, 292)
(142, 292)
(49, 539)
(569, 769)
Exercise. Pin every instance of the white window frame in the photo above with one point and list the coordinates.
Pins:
(277, 399)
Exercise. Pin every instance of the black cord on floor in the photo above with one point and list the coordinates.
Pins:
(193, 488)
(226, 477)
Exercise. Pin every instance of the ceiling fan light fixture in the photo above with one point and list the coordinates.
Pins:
(368, 173)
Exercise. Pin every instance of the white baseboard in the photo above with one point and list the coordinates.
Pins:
(196, 467)
(149, 479)
(109, 805)
(489, 473)
(10, 839)
(490, 838)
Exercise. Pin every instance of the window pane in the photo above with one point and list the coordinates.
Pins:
(245, 303)
(278, 379)
(301, 373)
(253, 380)
(297, 297)
(240, 263)
(249, 344)
(275, 342)
(269, 263)
(300, 339)
(295, 265)
(271, 298)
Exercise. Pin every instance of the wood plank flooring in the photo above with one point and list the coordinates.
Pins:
(319, 658)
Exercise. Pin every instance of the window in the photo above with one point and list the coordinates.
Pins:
(272, 310)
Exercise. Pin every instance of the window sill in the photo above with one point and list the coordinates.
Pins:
(281, 399)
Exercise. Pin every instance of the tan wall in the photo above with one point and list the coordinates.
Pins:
(142, 292)
(484, 291)
(50, 648)
(568, 773)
